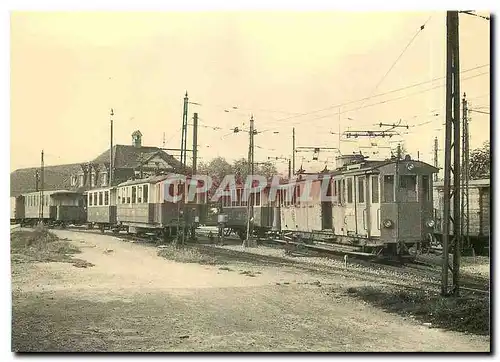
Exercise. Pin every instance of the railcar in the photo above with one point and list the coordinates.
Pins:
(478, 216)
(236, 209)
(143, 206)
(101, 209)
(60, 207)
(383, 208)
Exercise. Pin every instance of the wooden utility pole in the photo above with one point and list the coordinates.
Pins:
(111, 149)
(451, 218)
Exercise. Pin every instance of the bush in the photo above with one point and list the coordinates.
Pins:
(186, 254)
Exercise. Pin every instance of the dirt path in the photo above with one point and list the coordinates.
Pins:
(133, 300)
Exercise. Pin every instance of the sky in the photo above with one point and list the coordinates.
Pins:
(287, 69)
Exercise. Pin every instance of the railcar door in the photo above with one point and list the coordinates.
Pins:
(350, 206)
(374, 202)
(361, 211)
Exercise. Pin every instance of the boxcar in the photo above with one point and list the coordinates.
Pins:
(479, 211)
(16, 209)
(60, 207)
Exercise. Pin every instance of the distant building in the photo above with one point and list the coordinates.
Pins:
(129, 161)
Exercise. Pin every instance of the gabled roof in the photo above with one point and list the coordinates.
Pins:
(55, 178)
(128, 156)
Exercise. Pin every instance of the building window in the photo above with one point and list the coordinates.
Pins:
(389, 188)
(82, 180)
(92, 180)
(349, 190)
(375, 187)
(361, 190)
(104, 177)
(73, 180)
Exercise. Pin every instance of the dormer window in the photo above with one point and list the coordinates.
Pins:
(74, 180)
(104, 177)
(92, 180)
(82, 180)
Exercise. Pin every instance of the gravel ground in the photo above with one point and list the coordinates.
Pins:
(133, 300)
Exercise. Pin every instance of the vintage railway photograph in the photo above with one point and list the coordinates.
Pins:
(250, 181)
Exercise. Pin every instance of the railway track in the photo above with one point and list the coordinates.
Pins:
(411, 276)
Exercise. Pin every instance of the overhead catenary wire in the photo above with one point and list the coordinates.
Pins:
(372, 104)
(422, 27)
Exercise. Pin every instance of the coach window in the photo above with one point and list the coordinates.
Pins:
(349, 190)
(128, 194)
(426, 195)
(257, 199)
(95, 198)
(139, 194)
(106, 198)
(408, 188)
(389, 188)
(145, 193)
(375, 187)
(100, 199)
(134, 194)
(342, 191)
(233, 197)
(361, 189)
(89, 195)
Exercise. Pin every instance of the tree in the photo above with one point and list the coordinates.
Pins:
(216, 168)
(479, 162)
(267, 169)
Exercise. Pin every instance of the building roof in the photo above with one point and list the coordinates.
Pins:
(55, 178)
(59, 177)
(128, 156)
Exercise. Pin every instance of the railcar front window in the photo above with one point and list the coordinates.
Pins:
(100, 198)
(257, 199)
(389, 188)
(408, 188)
(106, 198)
(95, 198)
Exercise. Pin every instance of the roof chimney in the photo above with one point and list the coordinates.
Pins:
(137, 139)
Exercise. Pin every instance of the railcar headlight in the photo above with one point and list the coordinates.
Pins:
(430, 223)
(410, 166)
(388, 223)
